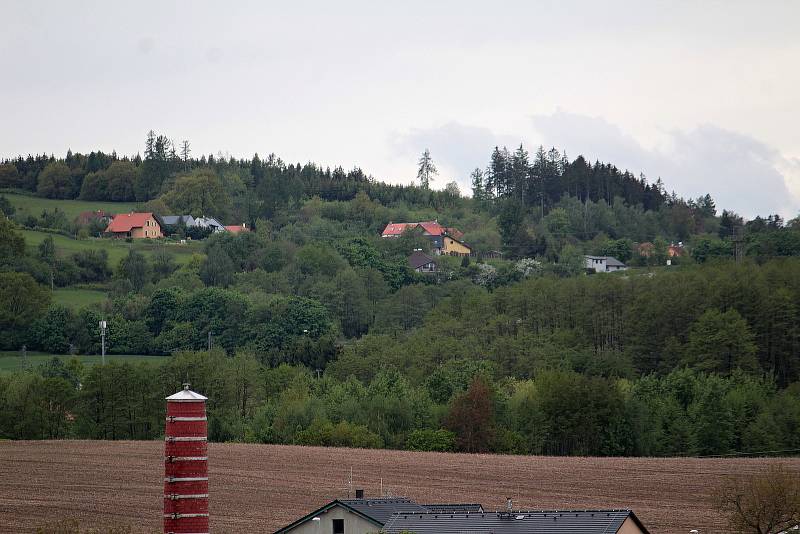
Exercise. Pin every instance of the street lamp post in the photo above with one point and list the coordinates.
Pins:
(103, 326)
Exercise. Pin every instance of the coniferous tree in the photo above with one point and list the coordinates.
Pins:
(427, 170)
(478, 192)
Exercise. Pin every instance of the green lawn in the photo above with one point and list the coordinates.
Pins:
(78, 298)
(13, 361)
(116, 248)
(35, 205)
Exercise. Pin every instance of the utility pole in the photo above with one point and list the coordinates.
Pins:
(210, 340)
(738, 243)
(24, 356)
(103, 326)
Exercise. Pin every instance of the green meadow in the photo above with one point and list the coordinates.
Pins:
(78, 298)
(116, 248)
(13, 360)
(35, 205)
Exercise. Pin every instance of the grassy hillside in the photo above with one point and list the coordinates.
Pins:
(78, 298)
(35, 205)
(116, 248)
(13, 361)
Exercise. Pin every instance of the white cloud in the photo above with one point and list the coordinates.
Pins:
(740, 172)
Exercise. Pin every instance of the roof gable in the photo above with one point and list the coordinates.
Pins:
(322, 510)
(376, 511)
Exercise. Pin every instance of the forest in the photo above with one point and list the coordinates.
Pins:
(312, 329)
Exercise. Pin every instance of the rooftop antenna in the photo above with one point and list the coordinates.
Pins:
(350, 483)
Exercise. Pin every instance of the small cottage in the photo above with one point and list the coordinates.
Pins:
(603, 264)
(422, 263)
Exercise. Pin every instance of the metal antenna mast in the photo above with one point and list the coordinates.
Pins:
(103, 326)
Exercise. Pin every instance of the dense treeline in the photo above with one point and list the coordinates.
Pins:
(459, 406)
(322, 334)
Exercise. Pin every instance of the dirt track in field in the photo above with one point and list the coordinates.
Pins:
(259, 488)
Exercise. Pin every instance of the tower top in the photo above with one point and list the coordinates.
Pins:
(187, 395)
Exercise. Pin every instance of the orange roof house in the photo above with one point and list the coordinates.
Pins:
(676, 251)
(135, 225)
(444, 240)
(237, 228)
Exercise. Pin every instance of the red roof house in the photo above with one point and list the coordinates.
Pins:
(237, 228)
(135, 225)
(430, 228)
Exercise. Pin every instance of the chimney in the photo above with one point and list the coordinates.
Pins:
(186, 463)
(359, 494)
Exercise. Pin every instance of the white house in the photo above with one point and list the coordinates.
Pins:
(209, 222)
(604, 264)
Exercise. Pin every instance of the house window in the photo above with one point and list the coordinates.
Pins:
(338, 526)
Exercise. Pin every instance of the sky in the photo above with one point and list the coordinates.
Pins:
(704, 95)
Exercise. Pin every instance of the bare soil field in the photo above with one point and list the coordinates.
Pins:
(259, 488)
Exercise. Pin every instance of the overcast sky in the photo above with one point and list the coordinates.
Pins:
(704, 94)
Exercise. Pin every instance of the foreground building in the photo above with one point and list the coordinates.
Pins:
(393, 516)
(351, 516)
(518, 522)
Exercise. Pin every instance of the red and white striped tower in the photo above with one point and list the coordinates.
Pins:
(186, 464)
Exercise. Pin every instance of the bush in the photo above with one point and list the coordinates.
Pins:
(323, 433)
(431, 440)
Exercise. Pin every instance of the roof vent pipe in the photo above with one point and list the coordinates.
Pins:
(509, 504)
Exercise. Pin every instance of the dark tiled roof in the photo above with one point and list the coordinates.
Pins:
(522, 522)
(454, 508)
(382, 509)
(418, 259)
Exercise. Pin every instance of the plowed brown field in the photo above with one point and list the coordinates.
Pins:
(258, 488)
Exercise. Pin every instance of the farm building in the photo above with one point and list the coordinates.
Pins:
(444, 240)
(604, 264)
(351, 516)
(393, 516)
(421, 262)
(135, 225)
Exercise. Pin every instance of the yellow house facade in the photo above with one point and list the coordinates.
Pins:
(454, 247)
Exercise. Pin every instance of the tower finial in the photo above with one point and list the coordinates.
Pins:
(186, 386)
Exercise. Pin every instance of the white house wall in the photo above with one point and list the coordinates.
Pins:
(353, 524)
